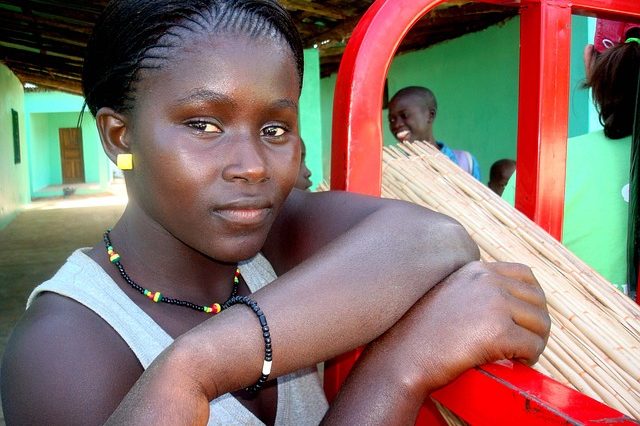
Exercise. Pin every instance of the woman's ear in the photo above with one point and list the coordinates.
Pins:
(112, 128)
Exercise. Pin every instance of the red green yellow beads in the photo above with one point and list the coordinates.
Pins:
(213, 309)
(156, 296)
(113, 256)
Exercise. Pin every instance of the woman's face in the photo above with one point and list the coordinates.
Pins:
(215, 142)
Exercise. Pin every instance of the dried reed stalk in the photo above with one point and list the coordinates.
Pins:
(595, 341)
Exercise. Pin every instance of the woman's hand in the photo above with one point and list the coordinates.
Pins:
(482, 313)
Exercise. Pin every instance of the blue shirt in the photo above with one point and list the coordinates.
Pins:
(475, 169)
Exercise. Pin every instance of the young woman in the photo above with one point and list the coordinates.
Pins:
(613, 69)
(198, 102)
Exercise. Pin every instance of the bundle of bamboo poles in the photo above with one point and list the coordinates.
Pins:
(594, 344)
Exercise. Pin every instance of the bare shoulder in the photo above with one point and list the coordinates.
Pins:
(64, 365)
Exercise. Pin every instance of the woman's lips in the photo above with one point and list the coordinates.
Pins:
(244, 216)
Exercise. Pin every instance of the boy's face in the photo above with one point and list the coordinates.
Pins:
(504, 175)
(409, 119)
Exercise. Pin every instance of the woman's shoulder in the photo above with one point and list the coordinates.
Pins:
(62, 326)
(61, 353)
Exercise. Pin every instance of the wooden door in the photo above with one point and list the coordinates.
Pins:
(71, 155)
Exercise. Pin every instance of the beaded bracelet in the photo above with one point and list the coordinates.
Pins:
(266, 365)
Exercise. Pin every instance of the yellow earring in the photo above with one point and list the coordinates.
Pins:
(124, 161)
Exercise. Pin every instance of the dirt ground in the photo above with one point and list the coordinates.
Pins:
(37, 242)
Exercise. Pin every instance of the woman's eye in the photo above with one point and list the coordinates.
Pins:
(273, 131)
(204, 127)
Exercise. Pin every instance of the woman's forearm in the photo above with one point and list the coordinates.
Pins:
(358, 285)
(376, 392)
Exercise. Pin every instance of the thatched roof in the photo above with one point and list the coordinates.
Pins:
(43, 41)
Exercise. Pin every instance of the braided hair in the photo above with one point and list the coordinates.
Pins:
(613, 79)
(136, 35)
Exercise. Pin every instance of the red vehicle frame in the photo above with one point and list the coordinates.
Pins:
(492, 394)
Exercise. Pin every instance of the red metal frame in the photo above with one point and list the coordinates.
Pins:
(542, 133)
(543, 105)
(357, 128)
(513, 394)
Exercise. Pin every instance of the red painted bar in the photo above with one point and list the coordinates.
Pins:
(509, 393)
(622, 10)
(356, 162)
(545, 53)
(336, 371)
(429, 415)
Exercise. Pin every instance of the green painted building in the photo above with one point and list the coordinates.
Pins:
(475, 80)
(14, 167)
(48, 115)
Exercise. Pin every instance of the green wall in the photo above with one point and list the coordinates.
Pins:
(39, 151)
(327, 86)
(14, 178)
(310, 114)
(475, 79)
(580, 106)
(46, 113)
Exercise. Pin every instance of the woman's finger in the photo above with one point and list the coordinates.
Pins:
(528, 316)
(526, 292)
(516, 271)
(523, 345)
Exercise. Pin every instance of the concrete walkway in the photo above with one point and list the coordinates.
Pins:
(37, 242)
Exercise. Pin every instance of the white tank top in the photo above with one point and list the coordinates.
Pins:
(301, 400)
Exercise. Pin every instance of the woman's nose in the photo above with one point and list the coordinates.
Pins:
(247, 162)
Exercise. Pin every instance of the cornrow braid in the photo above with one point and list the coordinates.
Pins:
(135, 35)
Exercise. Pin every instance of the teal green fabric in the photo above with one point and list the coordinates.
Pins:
(596, 203)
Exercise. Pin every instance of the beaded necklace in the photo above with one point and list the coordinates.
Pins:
(156, 296)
